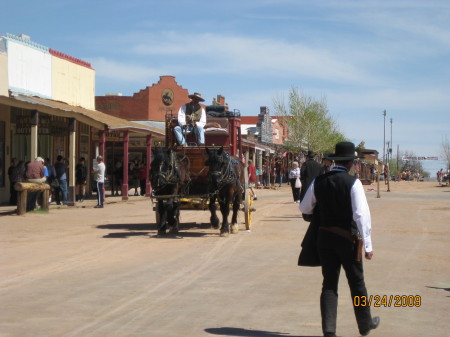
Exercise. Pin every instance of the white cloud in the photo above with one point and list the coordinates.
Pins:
(123, 71)
(225, 54)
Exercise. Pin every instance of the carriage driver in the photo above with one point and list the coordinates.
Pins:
(191, 118)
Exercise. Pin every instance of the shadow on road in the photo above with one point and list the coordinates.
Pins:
(446, 289)
(226, 331)
(130, 226)
(145, 229)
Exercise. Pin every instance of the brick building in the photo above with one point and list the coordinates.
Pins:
(151, 103)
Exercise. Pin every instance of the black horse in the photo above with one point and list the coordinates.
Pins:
(226, 183)
(169, 176)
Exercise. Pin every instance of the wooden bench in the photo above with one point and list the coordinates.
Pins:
(23, 188)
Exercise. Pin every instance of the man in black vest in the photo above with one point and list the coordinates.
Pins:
(337, 200)
(309, 170)
(191, 118)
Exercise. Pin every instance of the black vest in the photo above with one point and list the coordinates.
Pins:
(334, 205)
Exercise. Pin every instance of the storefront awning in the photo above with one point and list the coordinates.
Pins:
(92, 118)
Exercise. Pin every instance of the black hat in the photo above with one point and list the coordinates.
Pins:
(343, 151)
(311, 154)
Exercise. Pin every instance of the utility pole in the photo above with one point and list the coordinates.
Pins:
(392, 144)
(384, 154)
(384, 138)
(387, 168)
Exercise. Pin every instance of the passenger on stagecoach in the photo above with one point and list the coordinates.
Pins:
(191, 118)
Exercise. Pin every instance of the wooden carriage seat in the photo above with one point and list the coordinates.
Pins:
(216, 131)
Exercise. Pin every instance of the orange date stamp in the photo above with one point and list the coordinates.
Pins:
(396, 301)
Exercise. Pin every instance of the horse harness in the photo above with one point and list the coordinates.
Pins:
(171, 176)
(228, 173)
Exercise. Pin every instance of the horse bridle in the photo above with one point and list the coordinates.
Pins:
(169, 177)
(227, 173)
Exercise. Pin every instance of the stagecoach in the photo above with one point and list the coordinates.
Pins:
(222, 130)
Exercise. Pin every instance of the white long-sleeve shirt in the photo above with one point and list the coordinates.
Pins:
(361, 211)
(182, 116)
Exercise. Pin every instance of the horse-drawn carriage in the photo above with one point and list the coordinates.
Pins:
(202, 177)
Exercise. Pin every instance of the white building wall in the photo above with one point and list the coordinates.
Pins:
(29, 68)
(3, 69)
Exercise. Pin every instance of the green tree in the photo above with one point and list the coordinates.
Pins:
(411, 163)
(310, 127)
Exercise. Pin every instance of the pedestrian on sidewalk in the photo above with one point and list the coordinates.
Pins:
(12, 191)
(252, 178)
(309, 170)
(80, 180)
(294, 174)
(338, 203)
(99, 171)
(61, 166)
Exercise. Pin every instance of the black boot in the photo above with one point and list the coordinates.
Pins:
(373, 325)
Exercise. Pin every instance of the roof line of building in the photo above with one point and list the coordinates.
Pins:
(93, 118)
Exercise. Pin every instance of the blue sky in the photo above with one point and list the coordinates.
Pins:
(362, 56)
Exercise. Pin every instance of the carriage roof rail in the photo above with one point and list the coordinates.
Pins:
(216, 108)
(224, 114)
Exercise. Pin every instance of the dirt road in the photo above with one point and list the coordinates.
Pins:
(84, 272)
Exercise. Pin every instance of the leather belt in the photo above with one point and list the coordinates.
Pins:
(341, 232)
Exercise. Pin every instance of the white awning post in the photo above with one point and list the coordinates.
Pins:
(34, 134)
(72, 161)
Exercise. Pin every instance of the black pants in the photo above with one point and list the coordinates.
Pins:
(143, 186)
(336, 251)
(295, 191)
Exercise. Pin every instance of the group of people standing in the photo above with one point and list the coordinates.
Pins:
(137, 177)
(42, 171)
(39, 171)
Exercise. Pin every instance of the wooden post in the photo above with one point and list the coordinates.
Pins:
(22, 189)
(72, 161)
(102, 145)
(22, 197)
(378, 180)
(34, 134)
(45, 204)
(148, 186)
(126, 139)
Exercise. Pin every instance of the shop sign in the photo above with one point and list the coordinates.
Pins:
(114, 136)
(138, 142)
(163, 108)
(45, 127)
(23, 125)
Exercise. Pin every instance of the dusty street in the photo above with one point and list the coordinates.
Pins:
(85, 272)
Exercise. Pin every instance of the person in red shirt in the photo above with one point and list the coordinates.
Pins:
(142, 173)
(252, 178)
(35, 171)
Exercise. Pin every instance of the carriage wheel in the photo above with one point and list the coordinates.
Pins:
(248, 199)
(247, 210)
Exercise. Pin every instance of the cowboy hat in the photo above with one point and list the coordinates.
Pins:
(311, 154)
(343, 151)
(196, 95)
